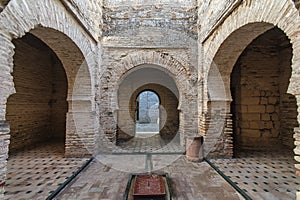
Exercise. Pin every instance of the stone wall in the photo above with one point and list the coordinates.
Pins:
(36, 113)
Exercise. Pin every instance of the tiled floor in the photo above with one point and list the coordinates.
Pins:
(263, 175)
(153, 144)
(34, 174)
(190, 181)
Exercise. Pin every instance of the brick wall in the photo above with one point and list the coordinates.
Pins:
(59, 105)
(37, 111)
(288, 103)
(264, 114)
(141, 32)
(89, 13)
(72, 44)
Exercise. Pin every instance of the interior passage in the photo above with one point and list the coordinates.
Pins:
(264, 113)
(37, 111)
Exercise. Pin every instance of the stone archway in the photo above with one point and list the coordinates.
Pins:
(183, 78)
(225, 45)
(67, 39)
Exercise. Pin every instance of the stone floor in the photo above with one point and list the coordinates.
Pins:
(35, 173)
(153, 144)
(262, 174)
(189, 180)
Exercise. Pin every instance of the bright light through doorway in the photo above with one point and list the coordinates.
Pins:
(147, 115)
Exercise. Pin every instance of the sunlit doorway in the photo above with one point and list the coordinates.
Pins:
(147, 115)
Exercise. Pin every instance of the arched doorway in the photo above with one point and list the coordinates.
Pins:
(147, 115)
(261, 114)
(37, 116)
(43, 112)
(264, 113)
(37, 111)
(72, 46)
(164, 110)
(148, 109)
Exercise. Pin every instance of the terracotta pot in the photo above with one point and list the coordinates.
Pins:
(194, 148)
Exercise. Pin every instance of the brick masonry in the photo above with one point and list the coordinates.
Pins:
(99, 43)
(182, 76)
(36, 112)
(224, 45)
(76, 51)
(265, 115)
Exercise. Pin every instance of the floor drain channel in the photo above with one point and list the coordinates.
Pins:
(61, 187)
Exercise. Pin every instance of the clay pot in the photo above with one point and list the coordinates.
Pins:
(194, 148)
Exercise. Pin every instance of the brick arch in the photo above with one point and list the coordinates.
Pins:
(72, 59)
(183, 78)
(142, 77)
(73, 47)
(223, 48)
(21, 17)
(179, 73)
(221, 67)
(225, 45)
